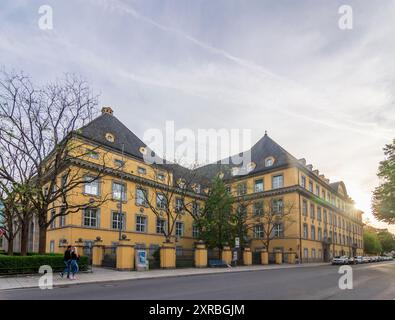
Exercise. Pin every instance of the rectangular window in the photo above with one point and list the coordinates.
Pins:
(179, 205)
(161, 202)
(258, 208)
(258, 231)
(325, 216)
(305, 253)
(195, 208)
(312, 232)
(305, 231)
(277, 181)
(312, 211)
(141, 223)
(118, 191)
(317, 190)
(118, 221)
(258, 187)
(91, 186)
(313, 253)
(141, 197)
(319, 214)
(62, 217)
(319, 234)
(195, 231)
(304, 208)
(53, 223)
(278, 230)
(241, 189)
(141, 170)
(310, 186)
(179, 229)
(91, 217)
(52, 246)
(330, 218)
(277, 206)
(160, 226)
(325, 235)
(303, 182)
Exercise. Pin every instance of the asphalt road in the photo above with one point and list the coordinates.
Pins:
(370, 281)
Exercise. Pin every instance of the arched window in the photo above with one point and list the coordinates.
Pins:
(269, 161)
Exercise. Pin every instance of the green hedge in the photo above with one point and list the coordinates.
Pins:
(31, 264)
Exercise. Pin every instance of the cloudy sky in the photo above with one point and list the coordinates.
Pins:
(322, 93)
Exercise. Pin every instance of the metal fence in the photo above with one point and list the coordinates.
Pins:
(312, 260)
(109, 257)
(153, 254)
(214, 254)
(185, 258)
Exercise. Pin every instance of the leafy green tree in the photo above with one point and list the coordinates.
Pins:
(217, 224)
(372, 243)
(383, 203)
(387, 241)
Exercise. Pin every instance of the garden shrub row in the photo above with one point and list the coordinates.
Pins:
(32, 263)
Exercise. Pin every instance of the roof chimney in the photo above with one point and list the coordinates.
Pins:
(106, 110)
(302, 161)
(310, 167)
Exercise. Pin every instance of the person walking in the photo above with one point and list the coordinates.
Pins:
(74, 262)
(67, 262)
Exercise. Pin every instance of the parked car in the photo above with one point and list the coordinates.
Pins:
(351, 260)
(358, 259)
(340, 260)
(365, 259)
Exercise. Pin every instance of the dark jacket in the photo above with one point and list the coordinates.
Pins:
(67, 255)
(74, 256)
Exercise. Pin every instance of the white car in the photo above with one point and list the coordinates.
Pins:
(365, 259)
(340, 260)
(358, 259)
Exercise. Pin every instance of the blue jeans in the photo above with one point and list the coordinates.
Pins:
(74, 267)
(67, 269)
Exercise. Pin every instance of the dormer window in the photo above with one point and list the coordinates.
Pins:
(181, 183)
(143, 150)
(251, 166)
(110, 137)
(235, 171)
(269, 161)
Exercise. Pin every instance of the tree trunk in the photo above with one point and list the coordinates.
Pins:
(24, 237)
(42, 244)
(10, 250)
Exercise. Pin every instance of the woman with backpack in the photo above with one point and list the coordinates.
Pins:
(74, 263)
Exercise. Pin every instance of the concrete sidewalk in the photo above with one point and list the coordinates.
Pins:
(105, 275)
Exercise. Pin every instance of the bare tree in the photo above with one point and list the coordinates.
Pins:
(275, 218)
(43, 125)
(9, 217)
(170, 196)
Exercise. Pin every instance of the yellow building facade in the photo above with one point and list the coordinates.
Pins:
(322, 221)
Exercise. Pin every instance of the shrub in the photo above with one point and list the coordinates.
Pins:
(32, 263)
